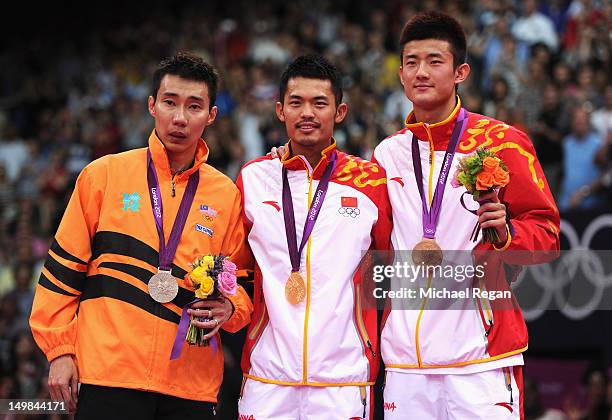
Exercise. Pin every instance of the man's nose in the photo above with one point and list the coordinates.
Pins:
(179, 117)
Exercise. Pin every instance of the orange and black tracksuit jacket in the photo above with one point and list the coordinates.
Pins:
(91, 300)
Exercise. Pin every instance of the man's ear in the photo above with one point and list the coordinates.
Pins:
(462, 72)
(341, 113)
(212, 114)
(151, 106)
(279, 111)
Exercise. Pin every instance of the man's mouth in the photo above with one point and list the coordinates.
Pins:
(307, 127)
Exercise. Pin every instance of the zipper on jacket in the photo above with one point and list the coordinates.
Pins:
(258, 330)
(418, 324)
(254, 332)
(172, 183)
(364, 399)
(486, 318)
(361, 325)
(244, 379)
(487, 314)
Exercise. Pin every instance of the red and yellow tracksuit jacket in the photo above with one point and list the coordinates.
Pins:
(483, 338)
(330, 338)
(91, 300)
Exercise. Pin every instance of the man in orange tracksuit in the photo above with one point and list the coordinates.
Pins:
(134, 216)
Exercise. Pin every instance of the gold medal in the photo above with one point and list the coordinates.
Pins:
(295, 288)
(427, 252)
(163, 287)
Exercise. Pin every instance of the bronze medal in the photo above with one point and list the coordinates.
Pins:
(295, 288)
(427, 252)
(163, 287)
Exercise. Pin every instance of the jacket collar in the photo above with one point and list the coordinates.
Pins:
(299, 163)
(160, 155)
(437, 133)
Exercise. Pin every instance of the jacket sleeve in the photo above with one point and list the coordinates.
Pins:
(533, 218)
(236, 247)
(381, 233)
(53, 319)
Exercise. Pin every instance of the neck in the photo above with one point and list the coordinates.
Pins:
(311, 153)
(181, 162)
(435, 115)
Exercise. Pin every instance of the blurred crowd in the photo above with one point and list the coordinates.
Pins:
(67, 98)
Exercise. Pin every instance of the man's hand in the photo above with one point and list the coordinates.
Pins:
(63, 381)
(218, 310)
(492, 213)
(277, 152)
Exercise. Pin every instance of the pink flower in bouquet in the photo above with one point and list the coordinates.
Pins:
(454, 181)
(229, 266)
(227, 282)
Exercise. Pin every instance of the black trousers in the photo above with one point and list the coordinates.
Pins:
(104, 403)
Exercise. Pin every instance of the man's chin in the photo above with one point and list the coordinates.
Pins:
(306, 142)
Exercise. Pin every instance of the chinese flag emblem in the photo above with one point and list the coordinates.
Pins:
(348, 202)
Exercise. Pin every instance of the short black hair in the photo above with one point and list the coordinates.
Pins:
(312, 66)
(190, 67)
(436, 25)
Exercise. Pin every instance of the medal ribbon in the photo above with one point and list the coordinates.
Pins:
(431, 216)
(167, 251)
(179, 339)
(311, 218)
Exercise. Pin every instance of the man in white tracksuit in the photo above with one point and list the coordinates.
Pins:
(312, 349)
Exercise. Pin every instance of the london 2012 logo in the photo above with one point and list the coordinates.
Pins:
(131, 202)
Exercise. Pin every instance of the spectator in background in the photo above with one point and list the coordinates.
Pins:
(510, 65)
(9, 328)
(601, 119)
(556, 11)
(53, 182)
(22, 294)
(586, 91)
(583, 16)
(532, 26)
(547, 135)
(28, 364)
(602, 186)
(499, 97)
(529, 101)
(501, 50)
(579, 169)
(563, 78)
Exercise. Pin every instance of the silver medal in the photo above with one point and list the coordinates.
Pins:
(163, 287)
